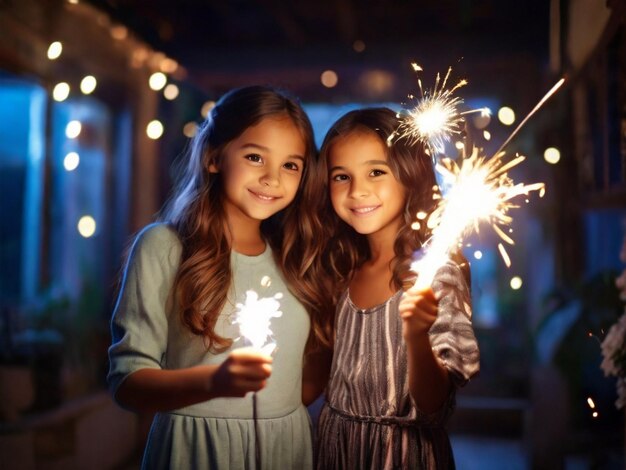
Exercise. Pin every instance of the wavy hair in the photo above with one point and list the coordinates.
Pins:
(196, 212)
(411, 166)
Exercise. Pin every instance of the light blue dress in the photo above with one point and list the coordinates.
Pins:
(219, 433)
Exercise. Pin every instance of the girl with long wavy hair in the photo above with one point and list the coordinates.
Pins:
(399, 354)
(242, 217)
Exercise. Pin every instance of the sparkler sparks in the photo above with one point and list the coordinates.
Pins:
(253, 318)
(436, 117)
(481, 191)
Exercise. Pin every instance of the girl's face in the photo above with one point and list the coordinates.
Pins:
(364, 192)
(261, 169)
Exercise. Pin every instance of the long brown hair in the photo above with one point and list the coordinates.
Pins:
(411, 166)
(196, 212)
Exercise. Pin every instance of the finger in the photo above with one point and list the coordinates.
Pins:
(251, 372)
(246, 386)
(251, 355)
(422, 292)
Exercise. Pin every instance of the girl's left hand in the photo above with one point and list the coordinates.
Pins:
(418, 309)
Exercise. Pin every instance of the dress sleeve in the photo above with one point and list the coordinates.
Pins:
(139, 326)
(451, 335)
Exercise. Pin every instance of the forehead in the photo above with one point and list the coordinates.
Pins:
(358, 146)
(277, 133)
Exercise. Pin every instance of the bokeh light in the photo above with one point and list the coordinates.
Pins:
(73, 128)
(206, 108)
(506, 115)
(329, 78)
(88, 84)
(54, 50)
(86, 226)
(170, 92)
(60, 92)
(516, 282)
(552, 155)
(157, 81)
(190, 129)
(71, 161)
(154, 129)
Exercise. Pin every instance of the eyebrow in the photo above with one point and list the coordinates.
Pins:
(267, 150)
(369, 162)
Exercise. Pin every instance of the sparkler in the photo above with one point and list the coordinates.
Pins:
(436, 115)
(253, 318)
(480, 189)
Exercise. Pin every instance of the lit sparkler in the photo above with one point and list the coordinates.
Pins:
(480, 191)
(436, 115)
(253, 318)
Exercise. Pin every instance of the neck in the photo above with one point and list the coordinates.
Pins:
(244, 236)
(381, 249)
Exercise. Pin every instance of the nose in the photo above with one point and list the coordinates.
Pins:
(270, 178)
(358, 188)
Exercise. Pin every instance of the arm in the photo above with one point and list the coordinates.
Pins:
(140, 330)
(429, 382)
(151, 390)
(315, 374)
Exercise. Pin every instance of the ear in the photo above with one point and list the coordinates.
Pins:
(213, 168)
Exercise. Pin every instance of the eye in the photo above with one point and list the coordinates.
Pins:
(339, 177)
(293, 166)
(254, 157)
(378, 172)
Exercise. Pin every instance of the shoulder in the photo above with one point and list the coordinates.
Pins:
(157, 239)
(157, 235)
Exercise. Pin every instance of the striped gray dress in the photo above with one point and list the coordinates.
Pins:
(369, 420)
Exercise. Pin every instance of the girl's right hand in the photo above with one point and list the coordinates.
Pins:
(244, 370)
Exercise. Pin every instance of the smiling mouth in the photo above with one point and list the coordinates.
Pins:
(364, 210)
(263, 197)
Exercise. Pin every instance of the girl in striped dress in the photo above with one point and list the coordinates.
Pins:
(399, 354)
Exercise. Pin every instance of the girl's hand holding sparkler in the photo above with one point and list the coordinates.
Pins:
(244, 370)
(418, 309)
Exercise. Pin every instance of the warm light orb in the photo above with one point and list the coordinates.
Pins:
(54, 50)
(478, 254)
(206, 108)
(487, 135)
(190, 129)
(459, 145)
(516, 282)
(170, 92)
(329, 78)
(358, 46)
(60, 92)
(552, 155)
(88, 84)
(86, 226)
(71, 161)
(154, 129)
(119, 32)
(168, 65)
(157, 81)
(506, 115)
(73, 128)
